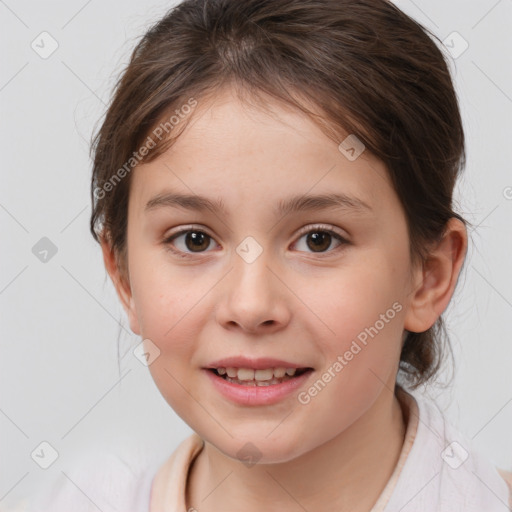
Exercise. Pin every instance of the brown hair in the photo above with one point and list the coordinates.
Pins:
(368, 69)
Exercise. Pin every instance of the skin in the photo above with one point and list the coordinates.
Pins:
(338, 451)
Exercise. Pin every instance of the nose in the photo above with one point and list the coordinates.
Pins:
(252, 298)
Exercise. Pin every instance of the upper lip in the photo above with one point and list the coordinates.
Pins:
(256, 364)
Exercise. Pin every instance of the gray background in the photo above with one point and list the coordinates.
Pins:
(60, 381)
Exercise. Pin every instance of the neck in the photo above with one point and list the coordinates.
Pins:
(346, 473)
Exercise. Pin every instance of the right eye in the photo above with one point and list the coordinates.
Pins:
(188, 241)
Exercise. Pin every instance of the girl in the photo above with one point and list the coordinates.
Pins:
(272, 192)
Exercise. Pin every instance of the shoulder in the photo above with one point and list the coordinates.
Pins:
(169, 485)
(507, 476)
(439, 450)
(100, 480)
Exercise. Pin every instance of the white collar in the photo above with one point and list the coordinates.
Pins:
(429, 476)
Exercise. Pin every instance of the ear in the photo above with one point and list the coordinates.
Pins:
(435, 282)
(121, 283)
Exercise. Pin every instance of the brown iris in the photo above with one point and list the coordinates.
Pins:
(197, 241)
(320, 240)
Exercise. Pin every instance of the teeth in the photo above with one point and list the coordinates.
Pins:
(249, 374)
(259, 383)
(279, 373)
(232, 372)
(261, 374)
(245, 374)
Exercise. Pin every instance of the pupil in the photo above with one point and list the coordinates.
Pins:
(198, 240)
(320, 240)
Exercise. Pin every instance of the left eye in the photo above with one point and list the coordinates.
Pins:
(319, 240)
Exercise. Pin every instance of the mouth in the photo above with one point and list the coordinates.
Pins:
(258, 377)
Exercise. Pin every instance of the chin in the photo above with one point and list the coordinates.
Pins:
(260, 449)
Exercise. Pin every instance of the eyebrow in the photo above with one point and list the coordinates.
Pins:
(284, 207)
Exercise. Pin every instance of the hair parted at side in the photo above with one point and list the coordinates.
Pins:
(366, 67)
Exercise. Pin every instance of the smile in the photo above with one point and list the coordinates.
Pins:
(261, 377)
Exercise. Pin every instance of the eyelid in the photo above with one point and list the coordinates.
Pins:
(188, 227)
(329, 228)
(302, 231)
(168, 241)
(185, 229)
(321, 227)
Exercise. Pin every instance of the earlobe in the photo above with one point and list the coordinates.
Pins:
(437, 279)
(121, 284)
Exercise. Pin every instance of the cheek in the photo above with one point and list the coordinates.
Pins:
(353, 299)
(364, 313)
(168, 312)
(165, 300)
(361, 356)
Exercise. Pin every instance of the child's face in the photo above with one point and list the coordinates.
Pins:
(304, 300)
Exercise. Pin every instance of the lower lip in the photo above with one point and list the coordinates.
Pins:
(257, 395)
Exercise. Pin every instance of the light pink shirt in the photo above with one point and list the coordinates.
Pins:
(169, 485)
(421, 481)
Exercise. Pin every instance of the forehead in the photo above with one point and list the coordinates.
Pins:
(230, 147)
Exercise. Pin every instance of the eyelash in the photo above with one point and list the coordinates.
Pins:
(320, 228)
